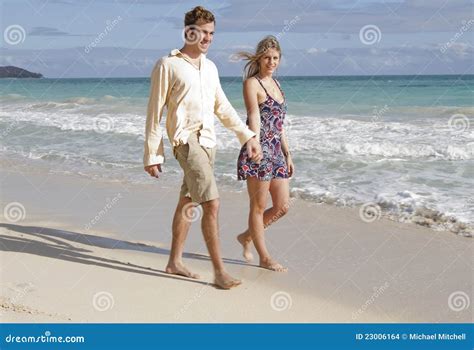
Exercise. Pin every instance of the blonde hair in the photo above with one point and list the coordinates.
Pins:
(252, 67)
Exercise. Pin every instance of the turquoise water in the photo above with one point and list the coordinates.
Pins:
(359, 95)
(404, 142)
(325, 95)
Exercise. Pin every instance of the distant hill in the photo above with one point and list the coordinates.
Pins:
(15, 72)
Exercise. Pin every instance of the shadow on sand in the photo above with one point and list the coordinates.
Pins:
(61, 246)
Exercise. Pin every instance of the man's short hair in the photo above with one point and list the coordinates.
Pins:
(198, 13)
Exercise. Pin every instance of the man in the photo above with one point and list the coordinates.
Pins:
(187, 84)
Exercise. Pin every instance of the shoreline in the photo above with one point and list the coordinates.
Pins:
(422, 216)
(341, 268)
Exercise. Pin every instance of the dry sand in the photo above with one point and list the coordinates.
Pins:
(85, 250)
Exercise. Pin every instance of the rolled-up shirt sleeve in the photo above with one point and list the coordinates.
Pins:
(229, 117)
(154, 151)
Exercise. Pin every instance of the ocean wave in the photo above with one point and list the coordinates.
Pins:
(316, 136)
(307, 135)
(425, 209)
(81, 100)
(69, 158)
(403, 206)
(397, 151)
(430, 198)
(12, 97)
(102, 123)
(21, 102)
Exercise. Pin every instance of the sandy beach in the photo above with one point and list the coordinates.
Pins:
(77, 249)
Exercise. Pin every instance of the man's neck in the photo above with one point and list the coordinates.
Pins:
(191, 52)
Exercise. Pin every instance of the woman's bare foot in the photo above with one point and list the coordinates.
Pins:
(272, 265)
(181, 270)
(225, 281)
(246, 244)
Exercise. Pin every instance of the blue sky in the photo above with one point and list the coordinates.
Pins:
(336, 37)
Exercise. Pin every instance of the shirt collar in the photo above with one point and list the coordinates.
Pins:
(177, 52)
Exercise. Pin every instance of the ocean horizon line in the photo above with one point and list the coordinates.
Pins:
(279, 76)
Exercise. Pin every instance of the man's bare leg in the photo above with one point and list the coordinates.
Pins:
(180, 231)
(210, 230)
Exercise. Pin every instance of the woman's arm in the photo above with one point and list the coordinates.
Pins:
(251, 104)
(284, 144)
(286, 152)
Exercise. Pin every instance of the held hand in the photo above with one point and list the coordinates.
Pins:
(291, 166)
(153, 170)
(254, 150)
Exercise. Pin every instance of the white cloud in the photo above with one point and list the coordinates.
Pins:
(462, 50)
(316, 50)
(120, 62)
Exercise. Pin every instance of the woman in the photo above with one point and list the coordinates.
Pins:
(266, 109)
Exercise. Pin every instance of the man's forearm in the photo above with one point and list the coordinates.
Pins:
(154, 152)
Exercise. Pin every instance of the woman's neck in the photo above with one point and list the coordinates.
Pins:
(264, 76)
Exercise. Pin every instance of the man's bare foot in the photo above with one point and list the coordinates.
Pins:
(272, 265)
(181, 270)
(225, 281)
(246, 244)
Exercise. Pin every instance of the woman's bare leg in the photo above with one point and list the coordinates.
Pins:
(280, 193)
(258, 192)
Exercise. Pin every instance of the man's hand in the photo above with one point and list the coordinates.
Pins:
(254, 150)
(153, 170)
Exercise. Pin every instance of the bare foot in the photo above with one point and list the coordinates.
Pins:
(225, 281)
(246, 244)
(181, 270)
(272, 265)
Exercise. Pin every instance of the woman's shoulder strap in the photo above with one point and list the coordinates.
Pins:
(260, 82)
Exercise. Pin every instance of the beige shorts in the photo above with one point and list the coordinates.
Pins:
(197, 163)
